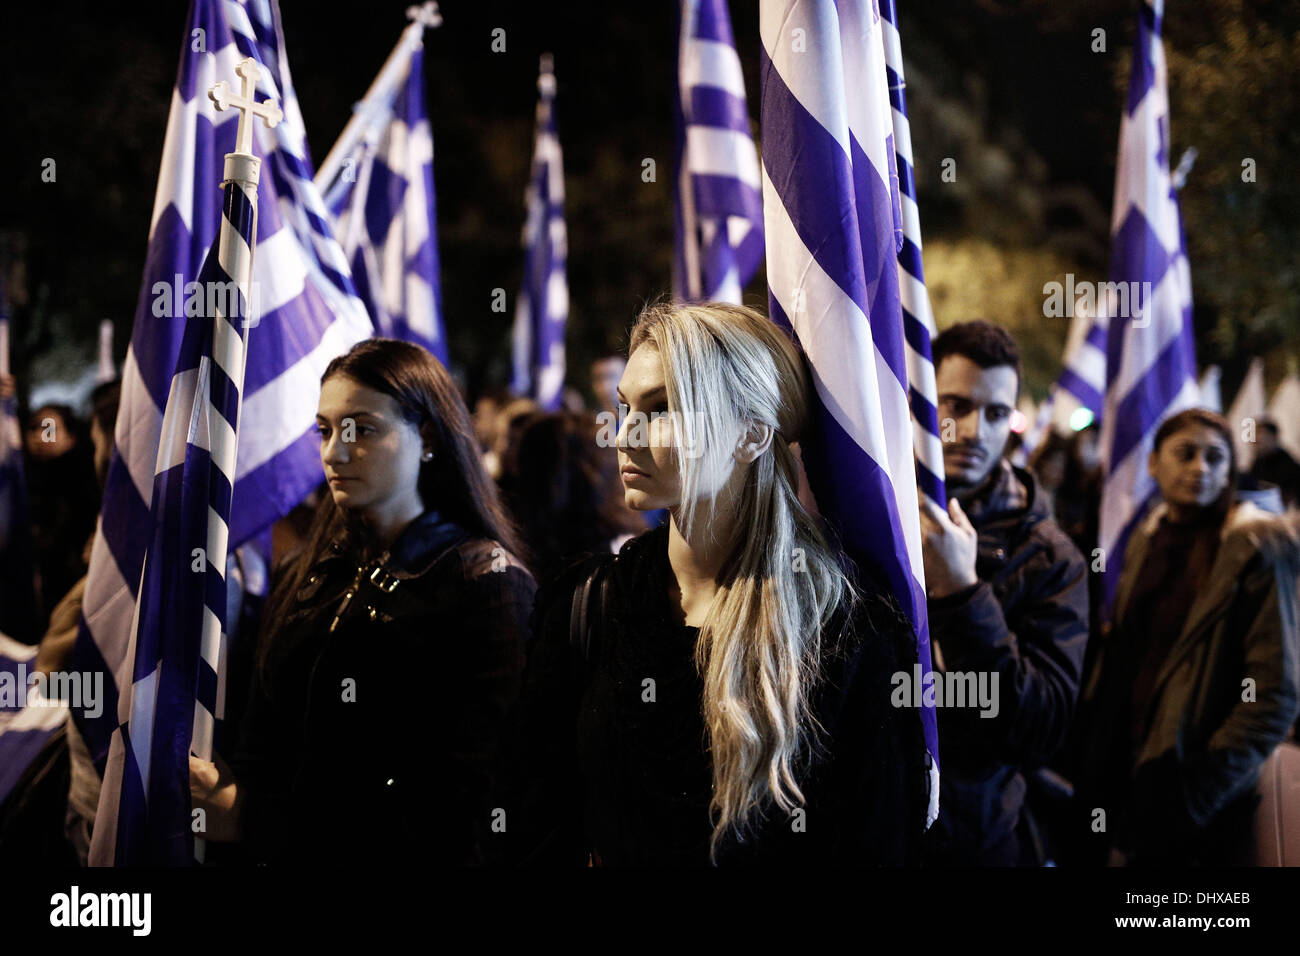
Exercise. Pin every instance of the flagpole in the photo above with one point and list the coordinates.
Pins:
(235, 250)
(377, 97)
(106, 371)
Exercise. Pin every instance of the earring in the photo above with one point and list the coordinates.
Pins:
(428, 456)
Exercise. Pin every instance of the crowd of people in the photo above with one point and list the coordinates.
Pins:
(494, 638)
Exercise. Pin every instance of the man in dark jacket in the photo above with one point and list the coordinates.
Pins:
(1274, 464)
(1008, 603)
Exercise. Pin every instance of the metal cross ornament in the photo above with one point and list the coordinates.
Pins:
(223, 99)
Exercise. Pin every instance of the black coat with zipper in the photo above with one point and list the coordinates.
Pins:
(372, 734)
(1027, 622)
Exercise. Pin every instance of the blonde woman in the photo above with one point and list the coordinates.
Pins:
(719, 690)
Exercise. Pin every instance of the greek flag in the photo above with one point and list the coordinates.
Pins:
(1284, 409)
(303, 312)
(543, 307)
(178, 633)
(1082, 382)
(918, 320)
(719, 198)
(1150, 350)
(378, 185)
(18, 612)
(1211, 387)
(28, 716)
(1251, 403)
(834, 232)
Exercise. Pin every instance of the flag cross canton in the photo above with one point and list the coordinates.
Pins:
(223, 99)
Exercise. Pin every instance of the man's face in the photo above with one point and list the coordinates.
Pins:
(975, 406)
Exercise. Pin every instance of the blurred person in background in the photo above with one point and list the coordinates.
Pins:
(510, 421)
(567, 496)
(1196, 682)
(59, 791)
(486, 409)
(1274, 464)
(605, 374)
(63, 497)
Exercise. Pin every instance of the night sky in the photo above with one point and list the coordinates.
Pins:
(1011, 89)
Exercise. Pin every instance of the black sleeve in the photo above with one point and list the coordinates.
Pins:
(1037, 659)
(542, 791)
(878, 783)
(254, 763)
(496, 607)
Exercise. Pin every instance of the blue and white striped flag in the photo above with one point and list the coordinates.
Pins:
(378, 185)
(1211, 386)
(918, 320)
(543, 307)
(28, 715)
(834, 231)
(304, 312)
(719, 198)
(178, 631)
(178, 634)
(1081, 384)
(1150, 348)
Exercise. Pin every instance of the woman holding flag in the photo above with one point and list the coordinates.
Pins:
(392, 646)
(719, 691)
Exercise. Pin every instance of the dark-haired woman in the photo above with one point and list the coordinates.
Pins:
(391, 648)
(1196, 683)
(566, 494)
(725, 696)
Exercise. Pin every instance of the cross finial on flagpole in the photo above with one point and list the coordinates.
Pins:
(425, 13)
(223, 99)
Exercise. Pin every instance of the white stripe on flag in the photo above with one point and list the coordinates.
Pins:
(713, 64)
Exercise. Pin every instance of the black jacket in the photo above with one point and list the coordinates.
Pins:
(602, 770)
(1027, 622)
(376, 741)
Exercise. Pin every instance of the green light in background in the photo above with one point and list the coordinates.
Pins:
(1080, 419)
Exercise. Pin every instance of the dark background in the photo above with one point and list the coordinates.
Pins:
(1010, 89)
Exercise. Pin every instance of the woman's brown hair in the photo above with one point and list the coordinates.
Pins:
(454, 481)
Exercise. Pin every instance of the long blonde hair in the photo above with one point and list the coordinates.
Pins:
(760, 646)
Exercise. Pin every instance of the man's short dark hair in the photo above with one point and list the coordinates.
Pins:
(982, 342)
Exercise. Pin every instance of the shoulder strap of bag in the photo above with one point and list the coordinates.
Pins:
(583, 618)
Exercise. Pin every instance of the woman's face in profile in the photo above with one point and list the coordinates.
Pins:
(1191, 466)
(647, 461)
(370, 454)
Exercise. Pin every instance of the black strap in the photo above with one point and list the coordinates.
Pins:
(583, 618)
